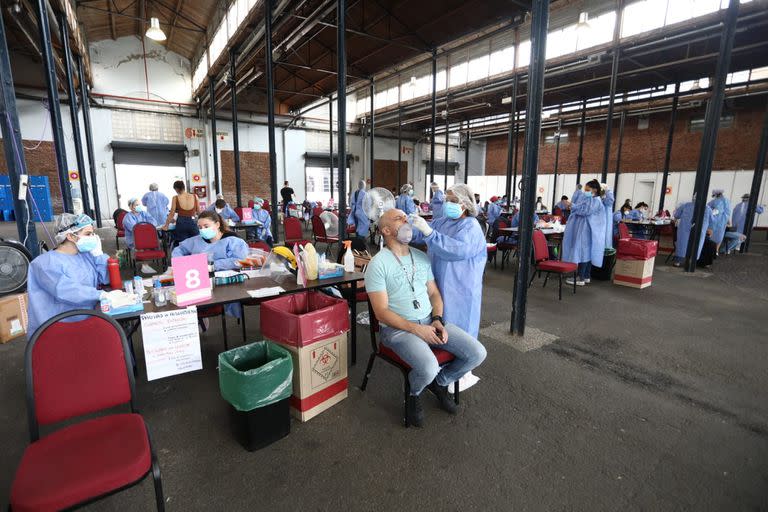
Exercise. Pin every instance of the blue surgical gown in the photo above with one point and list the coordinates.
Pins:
(224, 253)
(457, 251)
(684, 213)
(405, 202)
(719, 221)
(740, 216)
(608, 202)
(494, 211)
(157, 206)
(584, 237)
(227, 213)
(130, 220)
(436, 204)
(634, 215)
(617, 216)
(263, 232)
(59, 282)
(357, 215)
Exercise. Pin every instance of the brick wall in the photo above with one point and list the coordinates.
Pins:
(642, 150)
(254, 176)
(40, 162)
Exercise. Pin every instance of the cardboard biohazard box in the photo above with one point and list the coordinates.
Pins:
(13, 317)
(634, 262)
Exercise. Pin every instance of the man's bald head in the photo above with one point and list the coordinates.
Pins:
(391, 221)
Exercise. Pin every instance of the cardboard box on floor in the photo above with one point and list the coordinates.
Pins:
(319, 375)
(13, 317)
(633, 273)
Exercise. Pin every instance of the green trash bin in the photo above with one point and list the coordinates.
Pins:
(256, 381)
(609, 260)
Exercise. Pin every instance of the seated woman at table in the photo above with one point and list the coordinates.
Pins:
(137, 214)
(222, 208)
(515, 223)
(68, 277)
(262, 232)
(618, 217)
(224, 248)
(639, 212)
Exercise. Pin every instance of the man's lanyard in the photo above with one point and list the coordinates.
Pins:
(412, 277)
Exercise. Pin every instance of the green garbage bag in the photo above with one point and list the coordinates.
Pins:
(255, 375)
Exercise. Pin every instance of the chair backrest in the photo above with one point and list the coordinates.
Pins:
(624, 231)
(318, 228)
(374, 325)
(119, 221)
(317, 210)
(557, 211)
(540, 249)
(145, 237)
(292, 227)
(239, 209)
(258, 244)
(76, 363)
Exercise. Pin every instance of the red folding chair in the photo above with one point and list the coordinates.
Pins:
(387, 354)
(507, 248)
(624, 231)
(266, 207)
(78, 363)
(204, 312)
(544, 264)
(147, 245)
(258, 244)
(120, 228)
(318, 231)
(293, 232)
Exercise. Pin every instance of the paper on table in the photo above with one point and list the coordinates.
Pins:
(265, 292)
(225, 273)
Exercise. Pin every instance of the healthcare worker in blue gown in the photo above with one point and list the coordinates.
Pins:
(584, 237)
(684, 215)
(608, 202)
(136, 214)
(357, 216)
(221, 207)
(721, 212)
(739, 217)
(68, 277)
(224, 248)
(156, 203)
(264, 231)
(457, 251)
(494, 210)
(405, 200)
(437, 201)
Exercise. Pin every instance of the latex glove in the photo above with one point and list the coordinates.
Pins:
(97, 251)
(419, 223)
(715, 211)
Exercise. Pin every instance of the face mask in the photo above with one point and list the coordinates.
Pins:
(208, 233)
(405, 233)
(87, 243)
(452, 210)
(139, 208)
(410, 192)
(219, 210)
(257, 207)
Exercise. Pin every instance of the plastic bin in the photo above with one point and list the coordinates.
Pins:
(256, 380)
(604, 273)
(300, 319)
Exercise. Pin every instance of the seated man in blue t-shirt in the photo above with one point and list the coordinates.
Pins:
(407, 303)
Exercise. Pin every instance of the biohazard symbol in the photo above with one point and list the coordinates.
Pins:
(325, 364)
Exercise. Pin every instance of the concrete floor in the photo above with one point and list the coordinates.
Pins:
(647, 400)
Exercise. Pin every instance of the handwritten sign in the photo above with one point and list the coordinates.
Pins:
(171, 343)
(190, 276)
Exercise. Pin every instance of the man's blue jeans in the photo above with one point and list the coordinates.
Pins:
(468, 352)
(732, 240)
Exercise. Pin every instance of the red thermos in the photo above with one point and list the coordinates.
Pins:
(113, 268)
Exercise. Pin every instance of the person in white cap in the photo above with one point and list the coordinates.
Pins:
(156, 203)
(721, 212)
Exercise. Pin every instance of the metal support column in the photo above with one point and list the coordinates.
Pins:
(618, 154)
(757, 180)
(514, 158)
(268, 73)
(539, 22)
(54, 108)
(434, 109)
(75, 119)
(373, 129)
(557, 161)
(88, 137)
(582, 128)
(14, 151)
(510, 137)
(445, 165)
(214, 136)
(668, 154)
(330, 140)
(341, 77)
(709, 137)
(466, 156)
(235, 139)
(612, 94)
(399, 147)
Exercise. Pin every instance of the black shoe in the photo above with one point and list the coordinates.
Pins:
(441, 392)
(414, 414)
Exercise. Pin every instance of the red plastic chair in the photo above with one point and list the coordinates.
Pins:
(544, 264)
(318, 231)
(317, 210)
(204, 312)
(266, 206)
(147, 245)
(624, 231)
(293, 232)
(258, 244)
(387, 354)
(77, 368)
(120, 228)
(507, 248)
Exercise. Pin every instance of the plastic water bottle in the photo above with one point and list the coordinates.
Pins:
(159, 295)
(138, 289)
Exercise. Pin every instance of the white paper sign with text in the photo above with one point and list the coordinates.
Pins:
(171, 342)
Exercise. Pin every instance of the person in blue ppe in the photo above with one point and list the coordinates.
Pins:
(721, 213)
(494, 210)
(618, 216)
(405, 199)
(224, 248)
(68, 277)
(739, 217)
(264, 231)
(638, 213)
(563, 205)
(221, 207)
(357, 216)
(136, 214)
(584, 237)
(608, 201)
(684, 216)
(436, 203)
(156, 203)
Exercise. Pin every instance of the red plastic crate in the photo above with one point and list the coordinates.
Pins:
(301, 319)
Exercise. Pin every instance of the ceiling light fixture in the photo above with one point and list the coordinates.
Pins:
(154, 31)
(583, 24)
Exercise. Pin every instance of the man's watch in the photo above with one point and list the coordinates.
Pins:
(438, 318)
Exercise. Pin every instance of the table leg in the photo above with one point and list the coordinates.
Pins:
(353, 327)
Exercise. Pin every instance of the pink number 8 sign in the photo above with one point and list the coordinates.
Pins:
(190, 276)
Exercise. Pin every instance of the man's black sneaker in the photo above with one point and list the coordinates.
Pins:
(441, 392)
(413, 412)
